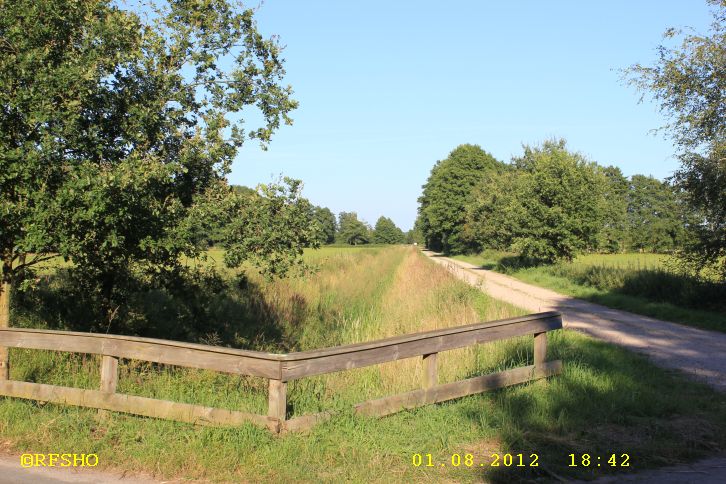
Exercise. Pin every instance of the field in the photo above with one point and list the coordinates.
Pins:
(607, 401)
(645, 284)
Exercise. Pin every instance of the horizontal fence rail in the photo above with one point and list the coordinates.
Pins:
(279, 369)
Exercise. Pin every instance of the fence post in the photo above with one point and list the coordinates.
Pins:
(540, 350)
(4, 323)
(430, 372)
(277, 405)
(109, 378)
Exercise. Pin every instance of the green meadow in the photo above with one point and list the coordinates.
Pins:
(607, 401)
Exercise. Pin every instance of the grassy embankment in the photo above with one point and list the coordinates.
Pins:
(640, 283)
(607, 401)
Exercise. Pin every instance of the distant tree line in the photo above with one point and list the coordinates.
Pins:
(352, 231)
(548, 204)
(323, 227)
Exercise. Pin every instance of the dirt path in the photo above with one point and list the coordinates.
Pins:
(697, 352)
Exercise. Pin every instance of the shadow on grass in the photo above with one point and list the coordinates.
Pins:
(197, 306)
(606, 402)
(512, 263)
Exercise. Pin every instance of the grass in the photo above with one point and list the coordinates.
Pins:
(640, 283)
(606, 401)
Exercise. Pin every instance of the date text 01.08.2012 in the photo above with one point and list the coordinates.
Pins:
(470, 460)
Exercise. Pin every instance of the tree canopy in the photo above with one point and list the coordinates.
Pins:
(656, 219)
(270, 227)
(689, 84)
(118, 130)
(549, 205)
(328, 224)
(447, 192)
(351, 230)
(612, 237)
(386, 232)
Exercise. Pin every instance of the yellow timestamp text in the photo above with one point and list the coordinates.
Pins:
(471, 460)
(592, 460)
(59, 460)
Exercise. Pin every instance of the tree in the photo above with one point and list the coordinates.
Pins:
(413, 236)
(548, 206)
(654, 216)
(117, 131)
(689, 83)
(386, 232)
(494, 217)
(447, 192)
(270, 228)
(328, 225)
(213, 232)
(614, 235)
(351, 230)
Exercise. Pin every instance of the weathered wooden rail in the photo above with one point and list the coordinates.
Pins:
(279, 369)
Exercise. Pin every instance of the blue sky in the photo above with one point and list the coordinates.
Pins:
(387, 88)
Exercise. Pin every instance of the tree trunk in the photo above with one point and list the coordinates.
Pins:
(4, 323)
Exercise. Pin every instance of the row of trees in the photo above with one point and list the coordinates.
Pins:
(322, 225)
(348, 229)
(549, 203)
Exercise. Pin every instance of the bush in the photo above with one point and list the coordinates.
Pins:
(195, 305)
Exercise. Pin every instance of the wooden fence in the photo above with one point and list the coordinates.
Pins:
(279, 369)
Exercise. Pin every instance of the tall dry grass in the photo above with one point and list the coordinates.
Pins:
(425, 297)
(393, 292)
(654, 285)
(355, 295)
